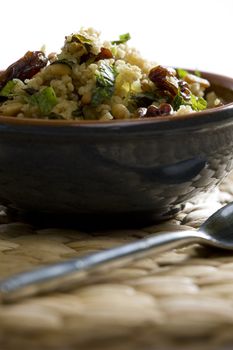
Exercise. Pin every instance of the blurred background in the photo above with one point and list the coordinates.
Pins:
(189, 34)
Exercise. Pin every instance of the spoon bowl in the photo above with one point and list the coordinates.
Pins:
(218, 228)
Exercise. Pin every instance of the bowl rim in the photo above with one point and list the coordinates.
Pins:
(10, 120)
(115, 122)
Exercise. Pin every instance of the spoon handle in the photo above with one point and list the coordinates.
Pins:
(67, 274)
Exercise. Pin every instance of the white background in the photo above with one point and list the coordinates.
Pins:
(192, 34)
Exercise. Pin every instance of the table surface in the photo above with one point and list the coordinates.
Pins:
(182, 299)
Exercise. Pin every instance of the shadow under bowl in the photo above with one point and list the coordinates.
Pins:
(118, 171)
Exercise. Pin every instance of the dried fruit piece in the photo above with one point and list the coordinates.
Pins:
(165, 79)
(103, 54)
(154, 111)
(25, 68)
(165, 109)
(184, 90)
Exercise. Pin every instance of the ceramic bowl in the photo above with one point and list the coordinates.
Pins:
(136, 169)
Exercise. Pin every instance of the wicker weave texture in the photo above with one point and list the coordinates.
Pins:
(182, 299)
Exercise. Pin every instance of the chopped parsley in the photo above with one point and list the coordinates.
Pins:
(196, 103)
(178, 101)
(79, 38)
(181, 73)
(7, 90)
(105, 83)
(123, 38)
(45, 100)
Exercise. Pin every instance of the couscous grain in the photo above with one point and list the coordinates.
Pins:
(90, 79)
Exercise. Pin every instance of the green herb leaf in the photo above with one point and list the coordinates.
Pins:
(79, 38)
(177, 102)
(123, 38)
(198, 103)
(7, 90)
(105, 81)
(181, 73)
(106, 75)
(45, 100)
(101, 94)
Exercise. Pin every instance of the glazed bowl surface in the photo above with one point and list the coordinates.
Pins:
(128, 169)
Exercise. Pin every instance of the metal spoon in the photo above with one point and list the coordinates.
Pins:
(216, 231)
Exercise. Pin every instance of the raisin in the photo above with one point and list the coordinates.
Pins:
(165, 80)
(25, 68)
(184, 90)
(152, 111)
(103, 54)
(165, 109)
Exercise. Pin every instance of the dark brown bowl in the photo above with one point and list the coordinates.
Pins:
(119, 169)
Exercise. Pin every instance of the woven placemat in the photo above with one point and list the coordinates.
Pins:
(182, 299)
